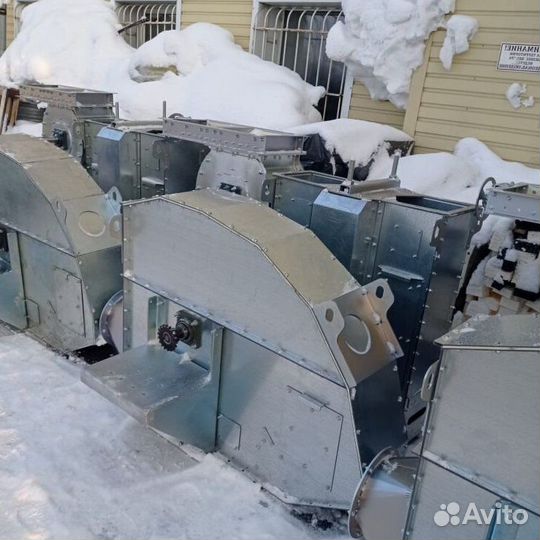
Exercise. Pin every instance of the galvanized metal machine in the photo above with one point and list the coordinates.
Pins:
(59, 244)
(375, 229)
(66, 111)
(251, 323)
(254, 341)
(171, 155)
(416, 243)
(476, 473)
(242, 159)
(132, 156)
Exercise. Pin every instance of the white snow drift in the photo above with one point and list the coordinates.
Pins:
(71, 42)
(460, 29)
(456, 176)
(516, 96)
(383, 42)
(355, 140)
(201, 71)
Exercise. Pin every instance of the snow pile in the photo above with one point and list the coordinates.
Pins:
(460, 29)
(487, 163)
(494, 225)
(200, 70)
(184, 51)
(383, 42)
(515, 96)
(72, 465)
(439, 174)
(29, 128)
(355, 140)
(456, 176)
(71, 42)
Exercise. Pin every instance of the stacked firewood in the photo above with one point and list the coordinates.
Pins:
(507, 280)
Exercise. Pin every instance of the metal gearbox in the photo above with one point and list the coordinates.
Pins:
(59, 254)
(416, 243)
(476, 476)
(293, 373)
(518, 201)
(132, 156)
(242, 159)
(171, 155)
(67, 109)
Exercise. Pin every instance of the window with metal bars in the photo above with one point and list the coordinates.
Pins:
(295, 37)
(153, 18)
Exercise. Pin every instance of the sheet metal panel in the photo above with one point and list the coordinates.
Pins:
(485, 418)
(197, 267)
(438, 486)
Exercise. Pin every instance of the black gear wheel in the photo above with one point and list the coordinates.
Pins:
(167, 337)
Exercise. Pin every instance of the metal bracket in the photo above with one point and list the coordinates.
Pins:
(428, 383)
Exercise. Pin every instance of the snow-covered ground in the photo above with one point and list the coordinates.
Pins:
(74, 466)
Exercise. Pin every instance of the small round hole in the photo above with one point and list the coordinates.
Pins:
(379, 292)
(329, 315)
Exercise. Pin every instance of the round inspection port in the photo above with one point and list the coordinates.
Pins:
(91, 223)
(356, 335)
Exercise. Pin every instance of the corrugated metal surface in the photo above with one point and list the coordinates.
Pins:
(364, 108)
(235, 16)
(469, 100)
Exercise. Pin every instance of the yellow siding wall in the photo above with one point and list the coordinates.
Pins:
(469, 100)
(235, 16)
(10, 23)
(364, 108)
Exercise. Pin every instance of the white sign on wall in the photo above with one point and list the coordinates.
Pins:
(519, 57)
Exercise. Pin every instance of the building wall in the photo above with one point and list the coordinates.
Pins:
(469, 100)
(10, 22)
(364, 108)
(235, 16)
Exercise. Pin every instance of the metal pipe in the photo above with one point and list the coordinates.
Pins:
(131, 25)
(395, 164)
